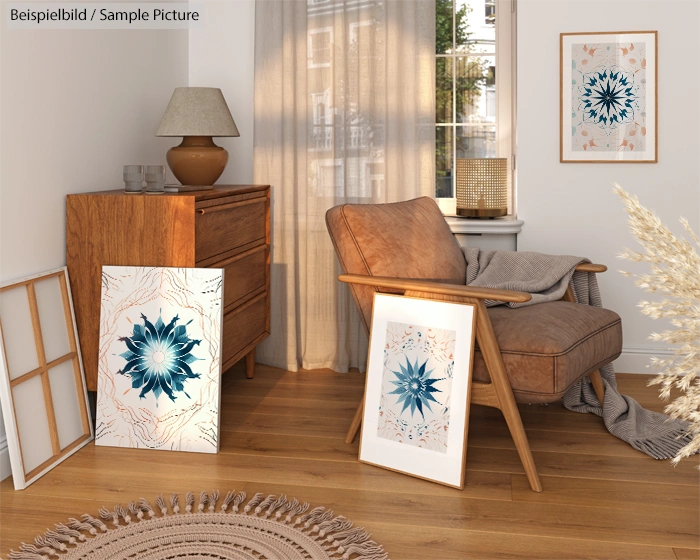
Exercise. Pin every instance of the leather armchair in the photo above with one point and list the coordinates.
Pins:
(531, 354)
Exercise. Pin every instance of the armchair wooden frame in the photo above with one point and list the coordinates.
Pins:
(498, 393)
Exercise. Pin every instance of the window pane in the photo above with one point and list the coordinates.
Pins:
(320, 48)
(476, 26)
(443, 90)
(476, 89)
(443, 26)
(443, 161)
(476, 141)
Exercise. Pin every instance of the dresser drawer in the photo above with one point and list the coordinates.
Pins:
(219, 229)
(244, 274)
(243, 325)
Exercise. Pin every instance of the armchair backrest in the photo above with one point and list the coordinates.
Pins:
(403, 239)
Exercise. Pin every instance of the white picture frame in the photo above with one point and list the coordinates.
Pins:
(417, 393)
(609, 97)
(42, 383)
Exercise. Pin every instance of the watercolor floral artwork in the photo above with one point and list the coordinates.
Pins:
(160, 358)
(608, 97)
(416, 385)
(415, 416)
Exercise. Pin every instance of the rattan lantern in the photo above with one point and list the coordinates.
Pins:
(482, 187)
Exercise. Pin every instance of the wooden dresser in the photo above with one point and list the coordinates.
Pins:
(228, 227)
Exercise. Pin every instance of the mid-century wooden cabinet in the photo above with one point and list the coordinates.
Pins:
(228, 227)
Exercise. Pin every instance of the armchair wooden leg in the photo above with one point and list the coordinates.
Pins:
(355, 425)
(499, 378)
(598, 387)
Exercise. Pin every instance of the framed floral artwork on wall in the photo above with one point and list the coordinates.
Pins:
(609, 97)
(159, 368)
(416, 409)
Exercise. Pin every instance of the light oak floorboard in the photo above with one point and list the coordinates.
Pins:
(619, 494)
(420, 543)
(282, 432)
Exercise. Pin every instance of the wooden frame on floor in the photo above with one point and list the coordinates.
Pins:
(440, 336)
(498, 393)
(42, 384)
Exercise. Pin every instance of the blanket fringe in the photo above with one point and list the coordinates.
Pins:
(666, 447)
(335, 534)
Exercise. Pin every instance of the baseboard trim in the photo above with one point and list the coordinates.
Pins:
(636, 359)
(5, 469)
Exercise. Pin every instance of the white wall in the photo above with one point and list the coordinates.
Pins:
(570, 207)
(75, 106)
(222, 55)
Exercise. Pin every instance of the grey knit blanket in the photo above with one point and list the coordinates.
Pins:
(546, 278)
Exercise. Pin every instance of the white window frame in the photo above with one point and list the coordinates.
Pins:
(310, 49)
(505, 101)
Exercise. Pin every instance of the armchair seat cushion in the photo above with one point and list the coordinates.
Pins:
(549, 346)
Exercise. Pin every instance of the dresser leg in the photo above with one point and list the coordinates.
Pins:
(250, 364)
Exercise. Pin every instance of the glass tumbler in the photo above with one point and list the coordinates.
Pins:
(155, 179)
(133, 178)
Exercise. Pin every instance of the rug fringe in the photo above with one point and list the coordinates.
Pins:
(78, 526)
(161, 505)
(135, 510)
(64, 530)
(31, 552)
(146, 507)
(254, 501)
(94, 522)
(203, 501)
(230, 495)
(240, 498)
(175, 503)
(212, 501)
(335, 534)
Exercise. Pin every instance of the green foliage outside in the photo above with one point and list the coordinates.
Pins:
(469, 76)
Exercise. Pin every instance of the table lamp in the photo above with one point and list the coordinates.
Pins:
(197, 114)
(482, 187)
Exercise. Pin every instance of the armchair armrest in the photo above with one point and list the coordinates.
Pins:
(591, 267)
(436, 288)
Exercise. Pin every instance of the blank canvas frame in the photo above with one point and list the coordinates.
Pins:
(42, 385)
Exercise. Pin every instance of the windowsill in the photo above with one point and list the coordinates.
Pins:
(508, 225)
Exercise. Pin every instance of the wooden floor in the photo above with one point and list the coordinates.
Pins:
(282, 432)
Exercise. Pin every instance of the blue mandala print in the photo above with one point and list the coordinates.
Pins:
(415, 387)
(158, 358)
(608, 98)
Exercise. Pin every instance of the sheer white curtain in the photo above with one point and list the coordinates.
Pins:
(344, 112)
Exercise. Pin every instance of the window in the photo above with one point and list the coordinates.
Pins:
(473, 84)
(320, 41)
(490, 12)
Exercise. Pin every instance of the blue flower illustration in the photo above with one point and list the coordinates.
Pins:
(608, 98)
(415, 387)
(158, 357)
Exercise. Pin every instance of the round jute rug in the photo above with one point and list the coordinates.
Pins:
(263, 528)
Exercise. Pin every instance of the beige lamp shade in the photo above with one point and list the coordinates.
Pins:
(482, 187)
(197, 111)
(197, 114)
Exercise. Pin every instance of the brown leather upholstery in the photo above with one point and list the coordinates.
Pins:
(399, 240)
(545, 347)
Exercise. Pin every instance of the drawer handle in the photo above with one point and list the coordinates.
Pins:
(231, 205)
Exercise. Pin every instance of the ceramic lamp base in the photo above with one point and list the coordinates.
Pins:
(197, 161)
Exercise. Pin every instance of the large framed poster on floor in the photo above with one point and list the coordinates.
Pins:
(416, 411)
